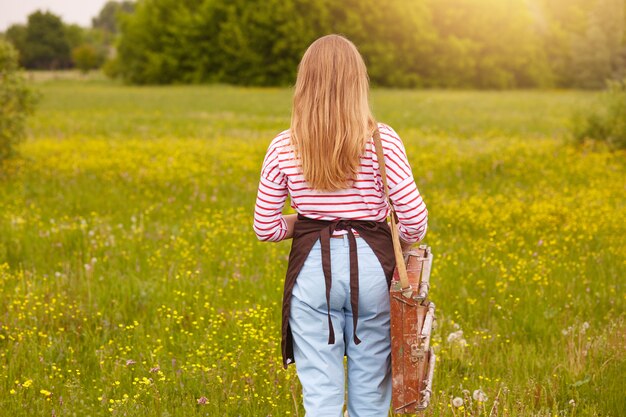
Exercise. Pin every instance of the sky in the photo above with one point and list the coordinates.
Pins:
(71, 11)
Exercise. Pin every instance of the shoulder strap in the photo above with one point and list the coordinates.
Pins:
(400, 265)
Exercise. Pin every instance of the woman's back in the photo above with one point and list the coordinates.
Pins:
(281, 175)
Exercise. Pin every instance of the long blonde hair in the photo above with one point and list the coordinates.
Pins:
(331, 118)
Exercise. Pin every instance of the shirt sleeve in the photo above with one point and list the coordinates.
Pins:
(269, 224)
(403, 192)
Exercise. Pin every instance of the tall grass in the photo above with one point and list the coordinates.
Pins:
(132, 283)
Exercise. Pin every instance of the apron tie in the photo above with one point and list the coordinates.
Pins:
(325, 234)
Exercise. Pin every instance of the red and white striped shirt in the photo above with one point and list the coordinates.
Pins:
(364, 200)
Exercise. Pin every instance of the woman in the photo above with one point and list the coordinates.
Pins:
(336, 299)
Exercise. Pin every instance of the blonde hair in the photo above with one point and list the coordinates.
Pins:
(331, 118)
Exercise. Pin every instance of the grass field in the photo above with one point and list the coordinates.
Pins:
(132, 284)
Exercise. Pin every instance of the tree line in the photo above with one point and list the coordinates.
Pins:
(46, 42)
(406, 43)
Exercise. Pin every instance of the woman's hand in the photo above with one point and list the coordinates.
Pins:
(290, 219)
(405, 246)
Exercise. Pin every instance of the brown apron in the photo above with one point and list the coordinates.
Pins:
(306, 233)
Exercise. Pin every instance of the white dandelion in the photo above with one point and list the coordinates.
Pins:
(454, 336)
(479, 396)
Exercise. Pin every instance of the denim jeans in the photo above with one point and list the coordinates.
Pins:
(320, 366)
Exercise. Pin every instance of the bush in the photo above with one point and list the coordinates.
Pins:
(606, 120)
(16, 98)
(86, 57)
(111, 68)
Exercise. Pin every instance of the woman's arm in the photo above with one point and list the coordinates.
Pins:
(269, 222)
(406, 199)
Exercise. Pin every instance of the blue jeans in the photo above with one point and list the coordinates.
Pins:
(319, 365)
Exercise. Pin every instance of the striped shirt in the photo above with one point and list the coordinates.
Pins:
(364, 200)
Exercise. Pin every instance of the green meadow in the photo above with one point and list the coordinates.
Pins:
(132, 283)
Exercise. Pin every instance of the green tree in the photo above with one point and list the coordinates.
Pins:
(591, 58)
(612, 15)
(488, 44)
(16, 34)
(104, 31)
(86, 57)
(158, 41)
(17, 101)
(46, 45)
(89, 47)
(398, 41)
(585, 41)
(261, 41)
(597, 53)
(107, 19)
(75, 35)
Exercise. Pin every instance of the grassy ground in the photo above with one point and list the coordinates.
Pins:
(132, 283)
